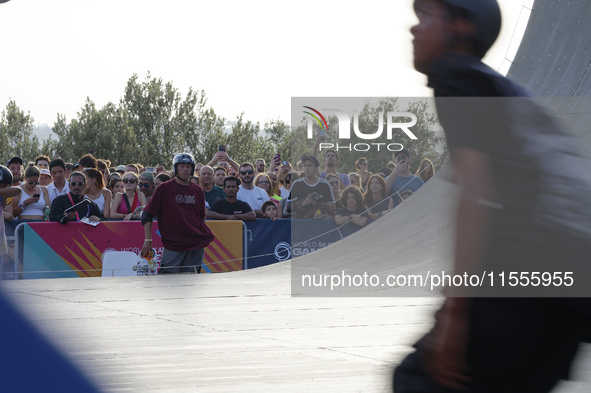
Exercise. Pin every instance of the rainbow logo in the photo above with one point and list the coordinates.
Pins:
(323, 124)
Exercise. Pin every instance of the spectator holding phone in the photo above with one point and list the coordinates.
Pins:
(401, 179)
(33, 199)
(221, 158)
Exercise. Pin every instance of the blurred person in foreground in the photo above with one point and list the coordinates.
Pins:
(522, 208)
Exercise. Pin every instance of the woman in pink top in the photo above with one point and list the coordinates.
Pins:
(126, 210)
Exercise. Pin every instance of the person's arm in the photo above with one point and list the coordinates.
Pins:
(216, 158)
(45, 195)
(390, 180)
(7, 212)
(219, 216)
(372, 216)
(16, 208)
(95, 214)
(319, 140)
(107, 208)
(232, 163)
(147, 246)
(341, 220)
(141, 198)
(8, 192)
(390, 206)
(250, 216)
(56, 213)
(279, 210)
(359, 220)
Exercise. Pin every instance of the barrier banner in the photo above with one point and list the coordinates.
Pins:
(268, 242)
(52, 250)
(276, 241)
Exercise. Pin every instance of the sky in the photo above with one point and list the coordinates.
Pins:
(248, 56)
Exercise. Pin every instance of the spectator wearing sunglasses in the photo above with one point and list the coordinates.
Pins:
(146, 184)
(249, 193)
(286, 181)
(62, 202)
(33, 198)
(127, 205)
(335, 186)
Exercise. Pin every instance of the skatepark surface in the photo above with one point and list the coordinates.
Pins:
(246, 332)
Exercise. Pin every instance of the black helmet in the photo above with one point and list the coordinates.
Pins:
(5, 175)
(183, 158)
(486, 16)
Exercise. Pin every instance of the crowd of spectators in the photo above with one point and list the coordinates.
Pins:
(306, 191)
(49, 187)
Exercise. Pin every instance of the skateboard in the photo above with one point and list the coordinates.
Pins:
(146, 266)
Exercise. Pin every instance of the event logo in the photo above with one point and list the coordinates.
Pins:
(323, 124)
(395, 121)
(282, 251)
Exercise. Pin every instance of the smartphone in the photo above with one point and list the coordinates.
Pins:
(277, 158)
(222, 148)
(285, 164)
(151, 169)
(36, 195)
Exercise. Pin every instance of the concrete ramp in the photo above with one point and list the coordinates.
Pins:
(244, 332)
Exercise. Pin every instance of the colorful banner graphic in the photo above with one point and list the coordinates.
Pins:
(52, 250)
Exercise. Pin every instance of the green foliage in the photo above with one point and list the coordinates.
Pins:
(152, 122)
(16, 134)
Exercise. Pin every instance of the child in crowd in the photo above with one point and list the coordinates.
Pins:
(269, 210)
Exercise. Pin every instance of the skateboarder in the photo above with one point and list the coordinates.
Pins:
(179, 206)
(522, 208)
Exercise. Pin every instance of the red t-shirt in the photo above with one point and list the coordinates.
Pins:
(180, 211)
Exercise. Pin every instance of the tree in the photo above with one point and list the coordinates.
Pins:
(16, 134)
(166, 124)
(245, 142)
(279, 137)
